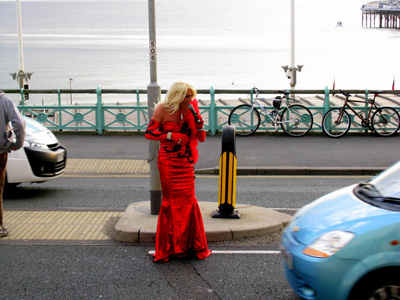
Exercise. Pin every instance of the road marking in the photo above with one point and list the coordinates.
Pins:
(213, 176)
(105, 176)
(151, 252)
(106, 166)
(58, 225)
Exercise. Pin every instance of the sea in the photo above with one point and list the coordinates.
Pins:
(225, 44)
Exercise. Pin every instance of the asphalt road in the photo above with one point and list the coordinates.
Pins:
(116, 193)
(111, 270)
(277, 150)
(127, 272)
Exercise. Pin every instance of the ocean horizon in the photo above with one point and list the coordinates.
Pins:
(227, 44)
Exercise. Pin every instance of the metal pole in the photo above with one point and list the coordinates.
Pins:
(153, 96)
(70, 90)
(291, 70)
(292, 44)
(21, 74)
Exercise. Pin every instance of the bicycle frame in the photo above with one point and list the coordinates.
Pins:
(382, 120)
(371, 103)
(273, 120)
(295, 120)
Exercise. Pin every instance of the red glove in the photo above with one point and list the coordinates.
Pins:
(180, 138)
(200, 123)
(201, 136)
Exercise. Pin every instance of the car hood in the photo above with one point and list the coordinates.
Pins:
(36, 132)
(340, 210)
(34, 126)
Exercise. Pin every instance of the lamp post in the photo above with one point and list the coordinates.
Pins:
(70, 88)
(21, 77)
(153, 96)
(291, 71)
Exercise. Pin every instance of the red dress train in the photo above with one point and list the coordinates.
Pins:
(180, 229)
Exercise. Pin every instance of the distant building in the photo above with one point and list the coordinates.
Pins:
(382, 14)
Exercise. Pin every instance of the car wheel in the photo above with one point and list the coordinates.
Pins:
(381, 287)
(386, 292)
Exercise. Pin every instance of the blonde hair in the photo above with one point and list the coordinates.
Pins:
(175, 95)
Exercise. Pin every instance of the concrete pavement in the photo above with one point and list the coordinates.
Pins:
(137, 225)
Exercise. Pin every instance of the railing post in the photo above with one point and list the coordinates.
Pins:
(366, 105)
(213, 113)
(137, 98)
(99, 112)
(138, 110)
(23, 100)
(59, 109)
(327, 105)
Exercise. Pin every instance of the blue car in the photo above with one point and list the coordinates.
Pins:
(346, 245)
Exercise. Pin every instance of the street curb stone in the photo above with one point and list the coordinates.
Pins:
(138, 226)
(296, 171)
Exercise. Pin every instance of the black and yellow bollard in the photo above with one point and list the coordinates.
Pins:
(227, 176)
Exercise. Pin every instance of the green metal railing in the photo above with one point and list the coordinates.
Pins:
(101, 117)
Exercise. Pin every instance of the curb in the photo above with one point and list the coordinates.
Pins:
(138, 226)
(297, 171)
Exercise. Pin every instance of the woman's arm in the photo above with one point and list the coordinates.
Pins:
(153, 132)
(201, 134)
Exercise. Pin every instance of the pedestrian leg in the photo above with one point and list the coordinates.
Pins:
(3, 165)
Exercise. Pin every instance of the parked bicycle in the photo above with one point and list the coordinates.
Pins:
(385, 121)
(295, 120)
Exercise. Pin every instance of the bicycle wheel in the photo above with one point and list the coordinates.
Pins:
(386, 121)
(336, 122)
(296, 120)
(245, 118)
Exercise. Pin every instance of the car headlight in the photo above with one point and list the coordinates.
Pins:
(329, 243)
(32, 144)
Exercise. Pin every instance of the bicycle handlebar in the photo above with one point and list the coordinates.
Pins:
(348, 94)
(286, 93)
(345, 93)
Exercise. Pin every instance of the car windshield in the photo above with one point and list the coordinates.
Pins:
(388, 182)
(383, 190)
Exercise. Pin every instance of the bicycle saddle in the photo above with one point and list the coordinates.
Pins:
(284, 92)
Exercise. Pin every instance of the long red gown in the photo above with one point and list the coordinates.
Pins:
(180, 229)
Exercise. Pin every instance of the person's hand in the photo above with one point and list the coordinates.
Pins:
(200, 124)
(180, 138)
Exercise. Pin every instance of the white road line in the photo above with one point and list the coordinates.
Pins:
(246, 251)
(151, 252)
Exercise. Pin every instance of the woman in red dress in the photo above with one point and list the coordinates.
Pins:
(180, 229)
